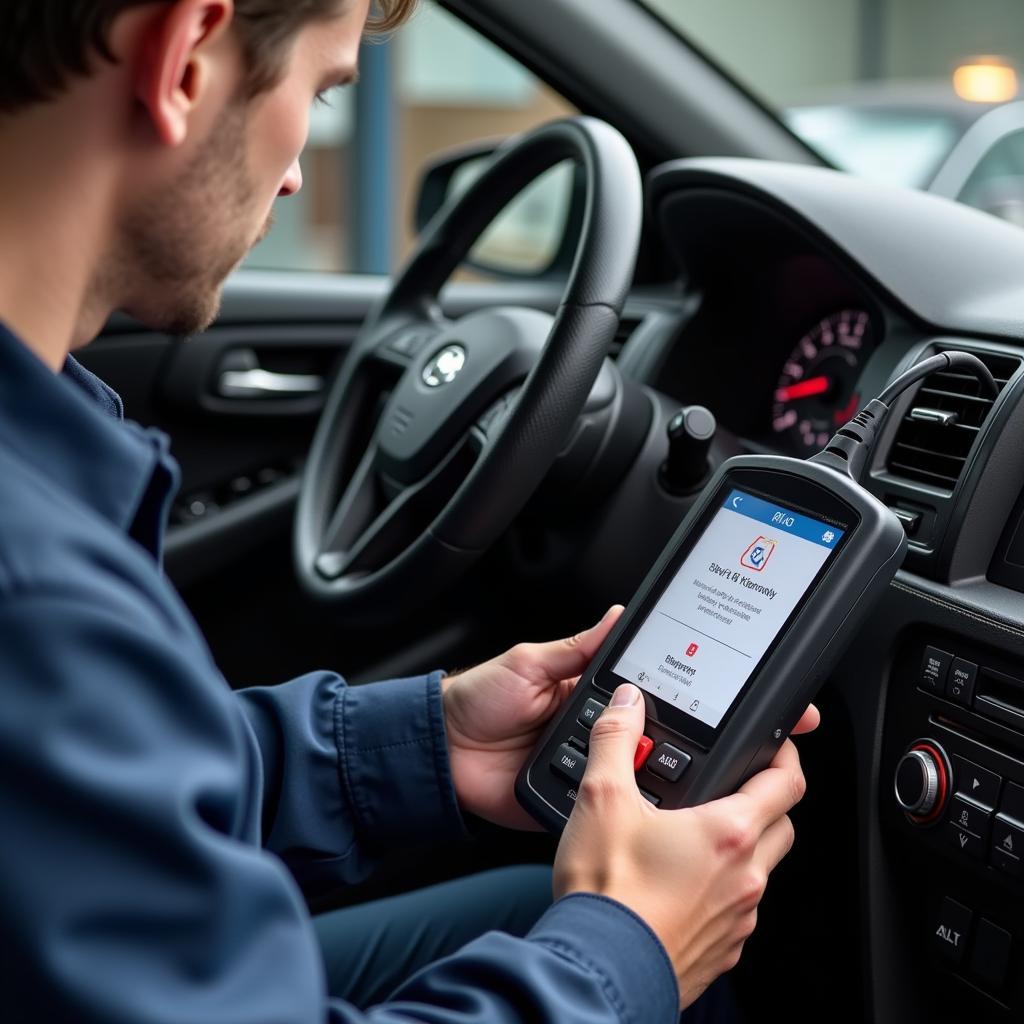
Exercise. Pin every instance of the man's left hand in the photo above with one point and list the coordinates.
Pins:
(495, 714)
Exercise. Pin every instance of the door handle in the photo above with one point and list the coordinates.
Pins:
(241, 376)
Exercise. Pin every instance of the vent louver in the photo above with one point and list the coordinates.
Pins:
(940, 427)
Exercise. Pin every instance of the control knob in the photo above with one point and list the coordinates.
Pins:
(922, 782)
(690, 433)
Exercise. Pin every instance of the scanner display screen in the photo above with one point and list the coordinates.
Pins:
(726, 604)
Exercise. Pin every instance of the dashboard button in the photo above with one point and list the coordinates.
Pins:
(650, 798)
(934, 669)
(1007, 839)
(976, 782)
(1013, 801)
(667, 762)
(966, 842)
(990, 955)
(960, 683)
(569, 763)
(949, 934)
(969, 816)
(590, 713)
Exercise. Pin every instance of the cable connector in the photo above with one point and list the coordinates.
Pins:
(851, 444)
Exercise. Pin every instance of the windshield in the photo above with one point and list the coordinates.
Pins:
(883, 88)
(905, 148)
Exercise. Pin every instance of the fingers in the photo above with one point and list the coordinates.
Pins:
(773, 792)
(809, 721)
(563, 659)
(613, 741)
(776, 842)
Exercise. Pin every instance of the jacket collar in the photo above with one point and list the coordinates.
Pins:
(69, 427)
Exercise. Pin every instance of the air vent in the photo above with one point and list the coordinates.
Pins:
(939, 429)
(627, 325)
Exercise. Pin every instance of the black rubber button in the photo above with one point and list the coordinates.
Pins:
(569, 763)
(949, 933)
(991, 954)
(960, 684)
(667, 762)
(590, 713)
(934, 669)
(976, 782)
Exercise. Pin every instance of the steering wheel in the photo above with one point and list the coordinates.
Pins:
(395, 504)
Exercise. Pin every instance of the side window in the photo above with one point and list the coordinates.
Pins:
(996, 185)
(435, 86)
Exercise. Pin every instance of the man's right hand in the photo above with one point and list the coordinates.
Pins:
(696, 875)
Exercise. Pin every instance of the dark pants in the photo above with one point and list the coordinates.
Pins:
(372, 948)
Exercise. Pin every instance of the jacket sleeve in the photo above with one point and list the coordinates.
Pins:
(132, 882)
(350, 772)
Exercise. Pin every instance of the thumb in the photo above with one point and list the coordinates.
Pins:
(615, 735)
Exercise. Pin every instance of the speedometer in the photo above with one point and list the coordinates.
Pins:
(817, 392)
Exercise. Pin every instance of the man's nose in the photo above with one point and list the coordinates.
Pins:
(292, 180)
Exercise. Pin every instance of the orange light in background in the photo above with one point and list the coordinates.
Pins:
(985, 80)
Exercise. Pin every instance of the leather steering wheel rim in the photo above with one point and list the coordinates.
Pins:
(532, 428)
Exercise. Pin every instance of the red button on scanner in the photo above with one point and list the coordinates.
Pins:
(643, 750)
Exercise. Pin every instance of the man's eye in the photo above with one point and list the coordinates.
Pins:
(323, 98)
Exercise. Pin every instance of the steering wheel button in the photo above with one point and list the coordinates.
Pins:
(590, 713)
(668, 762)
(960, 683)
(642, 752)
(569, 763)
(934, 669)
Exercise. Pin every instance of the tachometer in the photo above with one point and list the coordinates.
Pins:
(816, 393)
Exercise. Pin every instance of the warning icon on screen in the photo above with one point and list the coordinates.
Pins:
(756, 556)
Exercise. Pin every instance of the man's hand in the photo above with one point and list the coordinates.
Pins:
(495, 714)
(695, 876)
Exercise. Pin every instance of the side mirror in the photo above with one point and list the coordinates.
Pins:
(533, 237)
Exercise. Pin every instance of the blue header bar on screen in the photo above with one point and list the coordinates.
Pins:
(783, 519)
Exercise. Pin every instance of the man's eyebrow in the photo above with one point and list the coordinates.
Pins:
(343, 76)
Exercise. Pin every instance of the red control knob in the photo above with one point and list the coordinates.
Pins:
(922, 782)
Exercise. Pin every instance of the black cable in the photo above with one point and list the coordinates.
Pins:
(851, 443)
(943, 361)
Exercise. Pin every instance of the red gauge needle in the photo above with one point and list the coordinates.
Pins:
(804, 389)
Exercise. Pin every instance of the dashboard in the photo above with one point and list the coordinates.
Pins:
(795, 336)
(806, 291)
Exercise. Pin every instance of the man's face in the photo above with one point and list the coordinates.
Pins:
(182, 240)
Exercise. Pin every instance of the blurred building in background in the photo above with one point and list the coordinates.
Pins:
(916, 92)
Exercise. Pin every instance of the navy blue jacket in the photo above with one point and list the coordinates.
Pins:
(159, 831)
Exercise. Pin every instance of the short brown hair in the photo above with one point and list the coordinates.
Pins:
(44, 43)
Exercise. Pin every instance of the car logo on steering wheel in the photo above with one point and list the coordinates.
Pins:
(445, 366)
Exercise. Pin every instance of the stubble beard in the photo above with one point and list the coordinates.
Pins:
(182, 244)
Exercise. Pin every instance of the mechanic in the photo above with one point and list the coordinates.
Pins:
(162, 833)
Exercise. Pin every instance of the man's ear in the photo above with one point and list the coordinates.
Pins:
(174, 65)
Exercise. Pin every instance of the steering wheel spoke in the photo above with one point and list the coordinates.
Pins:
(378, 518)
